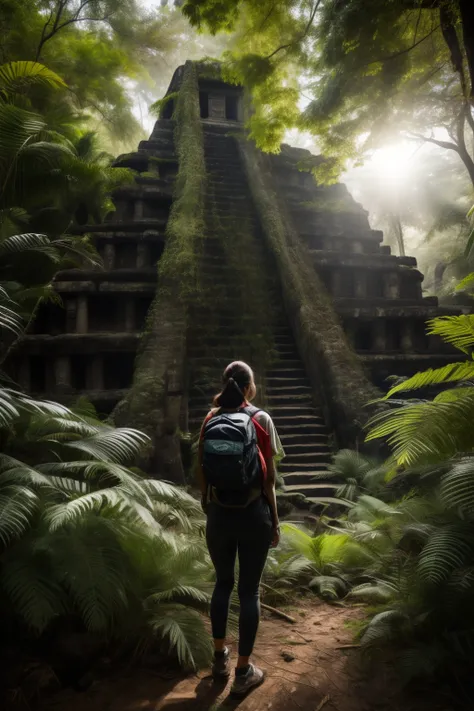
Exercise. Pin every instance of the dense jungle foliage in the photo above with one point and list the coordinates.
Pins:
(91, 549)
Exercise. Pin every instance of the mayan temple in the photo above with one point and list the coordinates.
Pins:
(217, 252)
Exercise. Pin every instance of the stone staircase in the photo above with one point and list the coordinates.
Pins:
(217, 332)
(299, 422)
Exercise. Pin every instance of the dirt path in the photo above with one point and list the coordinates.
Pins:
(307, 667)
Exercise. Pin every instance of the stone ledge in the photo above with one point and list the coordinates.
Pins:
(364, 235)
(144, 190)
(423, 358)
(394, 310)
(152, 236)
(361, 261)
(116, 275)
(346, 304)
(76, 343)
(124, 227)
(104, 286)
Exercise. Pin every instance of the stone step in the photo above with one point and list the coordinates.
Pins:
(285, 400)
(313, 456)
(299, 424)
(294, 363)
(316, 438)
(288, 352)
(294, 411)
(287, 389)
(289, 381)
(283, 371)
(309, 490)
(316, 467)
(311, 449)
(307, 478)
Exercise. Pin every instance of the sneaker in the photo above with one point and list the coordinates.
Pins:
(220, 665)
(245, 682)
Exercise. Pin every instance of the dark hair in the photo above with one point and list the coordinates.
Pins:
(237, 376)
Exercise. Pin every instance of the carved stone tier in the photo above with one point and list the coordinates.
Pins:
(40, 344)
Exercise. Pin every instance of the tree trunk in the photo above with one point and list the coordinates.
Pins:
(466, 8)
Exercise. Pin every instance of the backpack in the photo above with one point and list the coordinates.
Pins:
(231, 459)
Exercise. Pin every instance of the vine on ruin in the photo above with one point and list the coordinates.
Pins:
(159, 365)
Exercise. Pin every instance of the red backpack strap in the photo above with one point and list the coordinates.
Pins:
(206, 420)
(263, 439)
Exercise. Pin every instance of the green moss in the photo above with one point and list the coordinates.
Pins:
(336, 371)
(209, 68)
(160, 161)
(153, 402)
(158, 106)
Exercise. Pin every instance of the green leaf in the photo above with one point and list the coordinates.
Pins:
(450, 547)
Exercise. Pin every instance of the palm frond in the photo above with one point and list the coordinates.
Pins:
(183, 634)
(349, 464)
(457, 487)
(456, 330)
(35, 596)
(383, 628)
(74, 511)
(450, 373)
(429, 431)
(379, 592)
(18, 504)
(14, 76)
(108, 445)
(329, 587)
(449, 547)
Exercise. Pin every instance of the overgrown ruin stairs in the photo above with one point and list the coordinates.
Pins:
(215, 334)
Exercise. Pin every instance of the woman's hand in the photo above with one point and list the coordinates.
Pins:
(276, 536)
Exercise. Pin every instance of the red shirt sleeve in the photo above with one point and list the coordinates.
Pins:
(264, 441)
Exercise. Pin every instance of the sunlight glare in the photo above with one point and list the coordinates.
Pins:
(393, 163)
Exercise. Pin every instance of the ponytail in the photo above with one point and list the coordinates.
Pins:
(231, 397)
(237, 377)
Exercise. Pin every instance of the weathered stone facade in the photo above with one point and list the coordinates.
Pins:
(88, 346)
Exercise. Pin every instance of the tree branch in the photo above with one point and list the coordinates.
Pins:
(58, 25)
(403, 51)
(298, 39)
(451, 146)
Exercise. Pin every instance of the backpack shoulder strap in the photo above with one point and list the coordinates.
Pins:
(208, 417)
(250, 410)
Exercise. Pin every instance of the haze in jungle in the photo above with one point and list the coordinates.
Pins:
(111, 293)
(404, 170)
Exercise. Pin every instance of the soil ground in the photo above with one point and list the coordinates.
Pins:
(310, 665)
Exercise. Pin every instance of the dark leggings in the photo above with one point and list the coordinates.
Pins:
(248, 533)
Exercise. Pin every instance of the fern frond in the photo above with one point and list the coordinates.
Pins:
(451, 373)
(427, 432)
(183, 634)
(119, 446)
(457, 487)
(18, 504)
(456, 330)
(35, 596)
(380, 592)
(383, 628)
(329, 587)
(448, 548)
(73, 511)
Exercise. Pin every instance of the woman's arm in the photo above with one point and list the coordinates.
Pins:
(269, 489)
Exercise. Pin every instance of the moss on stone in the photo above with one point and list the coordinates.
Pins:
(153, 403)
(337, 374)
